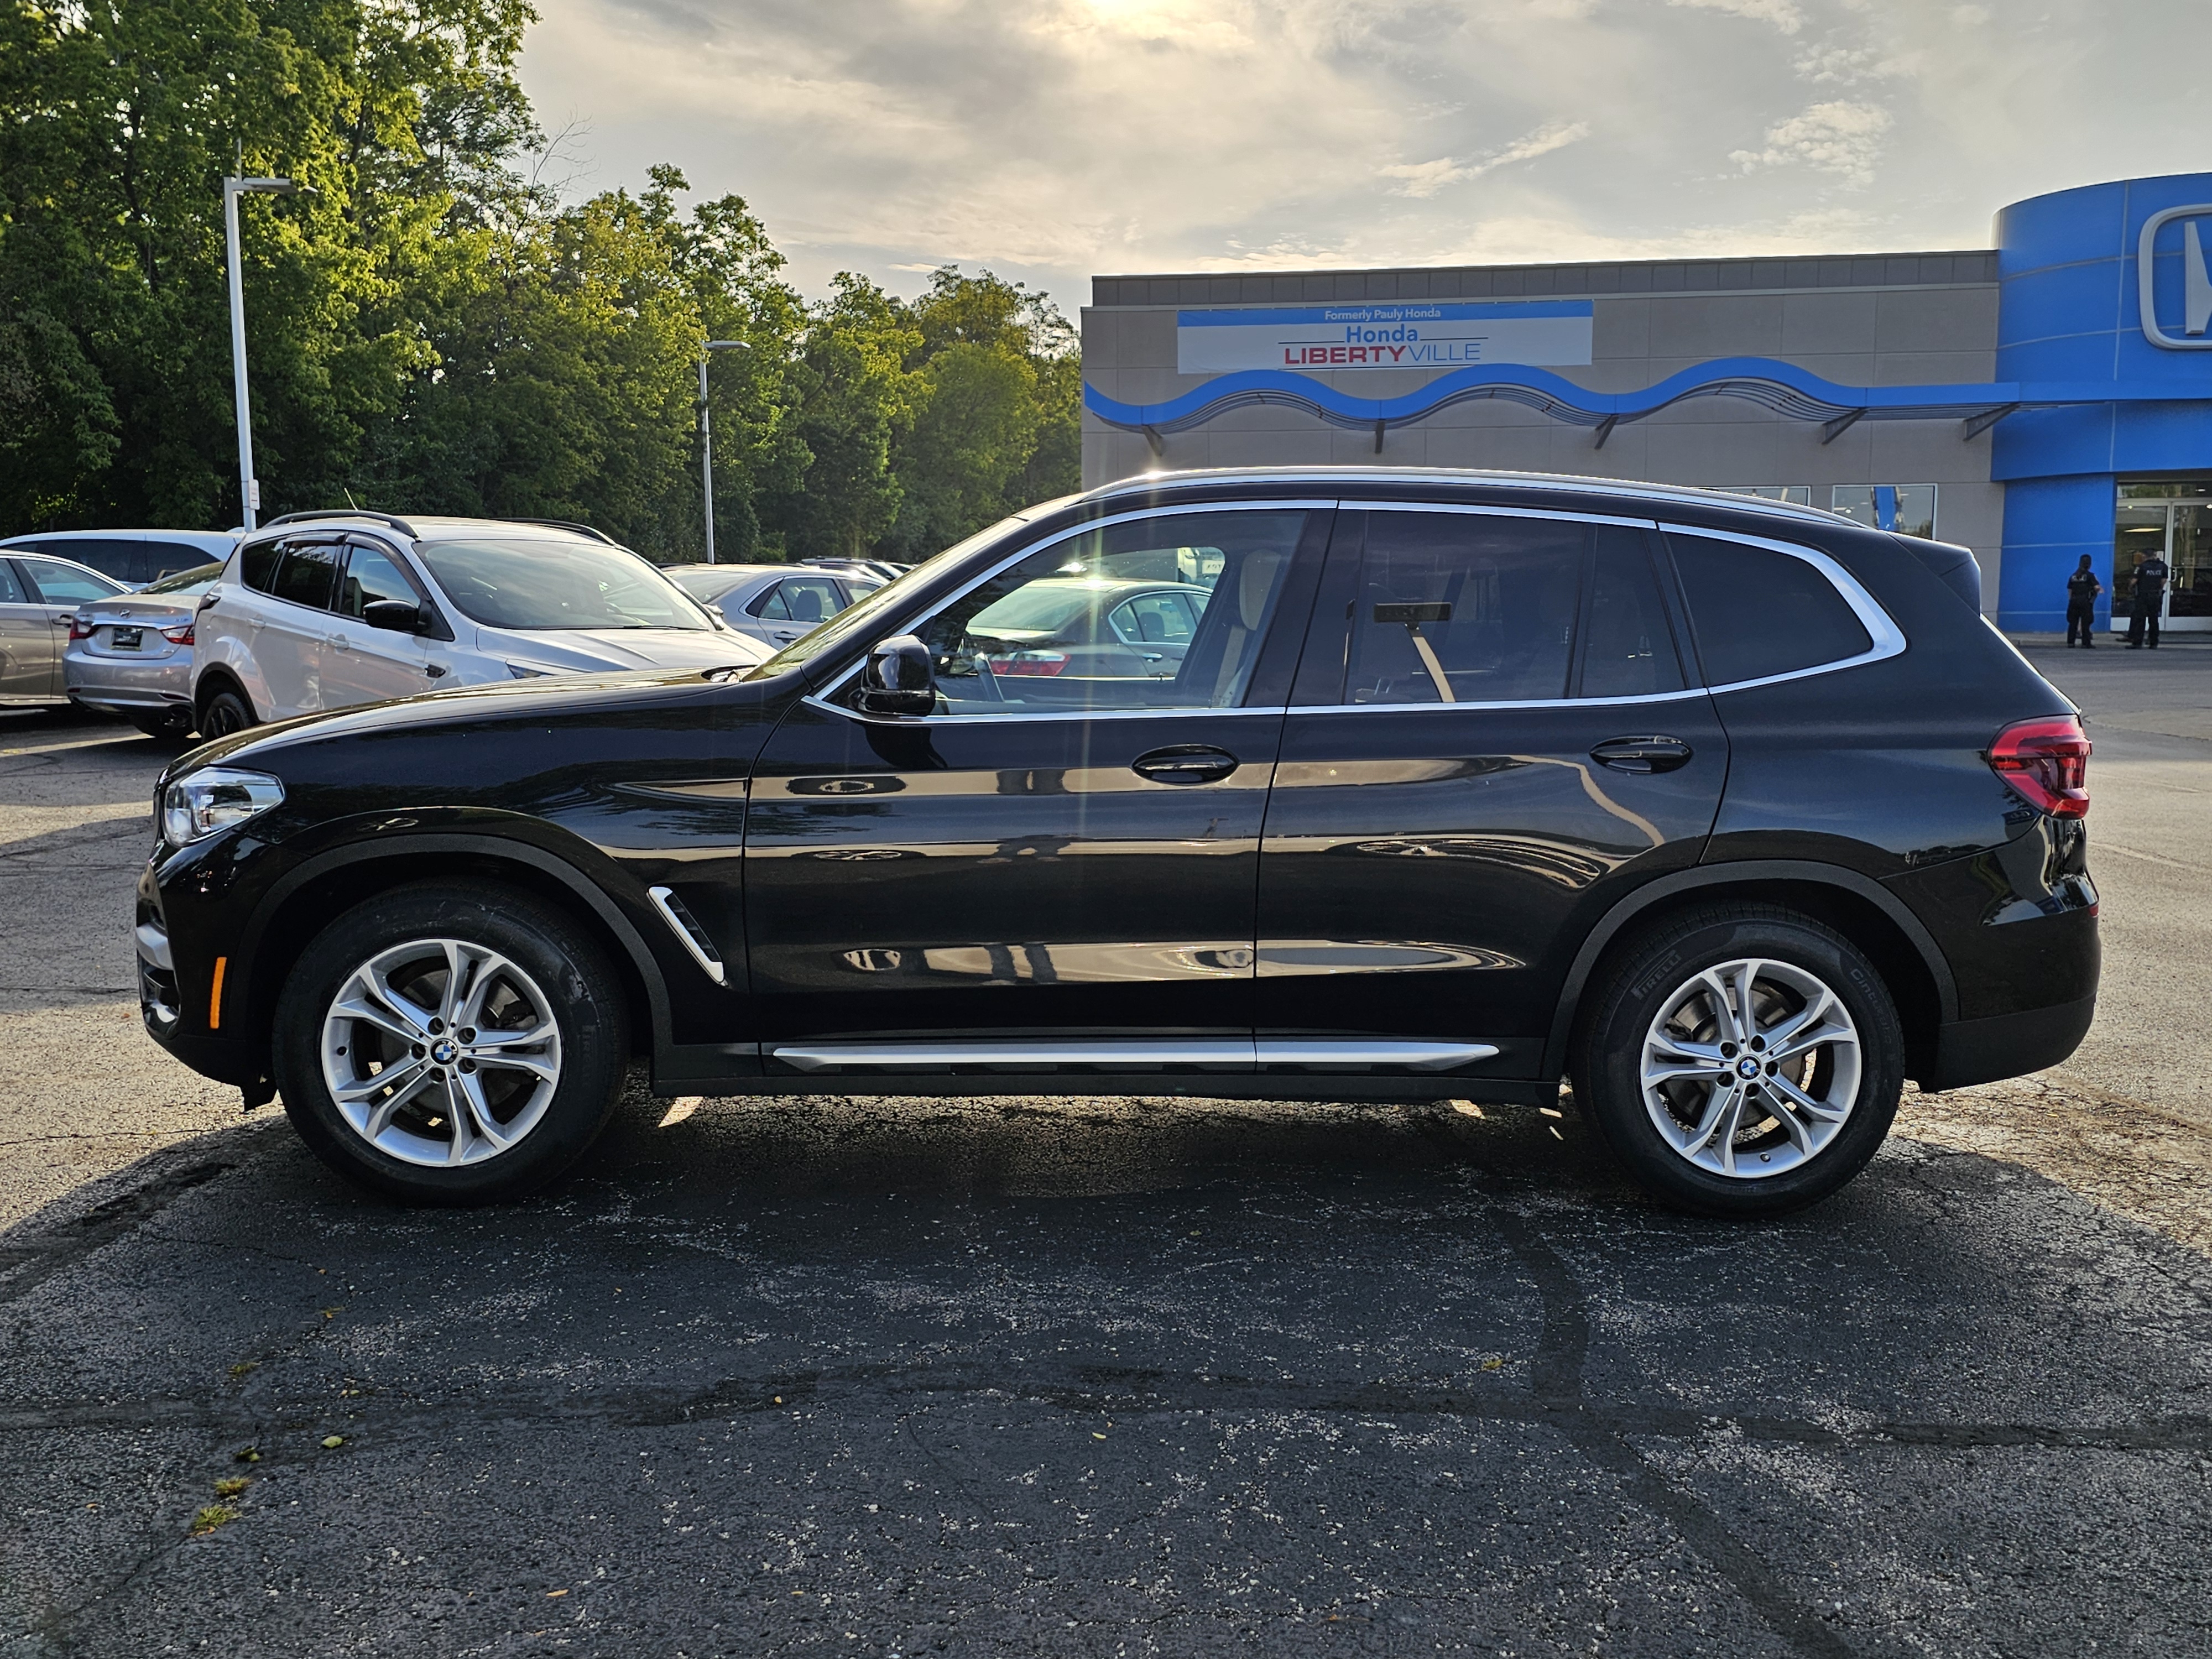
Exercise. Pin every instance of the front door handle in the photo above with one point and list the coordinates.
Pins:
(1644, 754)
(1185, 762)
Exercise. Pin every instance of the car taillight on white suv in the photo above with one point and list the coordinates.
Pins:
(2047, 764)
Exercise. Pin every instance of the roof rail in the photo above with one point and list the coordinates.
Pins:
(596, 534)
(397, 524)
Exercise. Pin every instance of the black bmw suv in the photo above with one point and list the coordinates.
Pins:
(1396, 786)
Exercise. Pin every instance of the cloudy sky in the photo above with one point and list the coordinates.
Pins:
(1053, 139)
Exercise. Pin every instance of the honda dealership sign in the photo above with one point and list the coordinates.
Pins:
(1417, 335)
(2195, 311)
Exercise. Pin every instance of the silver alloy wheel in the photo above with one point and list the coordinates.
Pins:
(1751, 1069)
(440, 1052)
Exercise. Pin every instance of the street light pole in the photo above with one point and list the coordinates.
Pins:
(706, 436)
(249, 488)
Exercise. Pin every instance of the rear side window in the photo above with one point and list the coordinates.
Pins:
(1631, 649)
(1465, 607)
(124, 560)
(62, 584)
(307, 574)
(167, 559)
(258, 568)
(1759, 613)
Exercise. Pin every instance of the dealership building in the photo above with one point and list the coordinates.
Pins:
(2048, 397)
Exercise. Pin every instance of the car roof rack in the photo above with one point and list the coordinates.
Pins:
(596, 534)
(397, 523)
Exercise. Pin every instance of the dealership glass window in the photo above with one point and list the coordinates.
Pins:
(1909, 509)
(2171, 518)
(1796, 494)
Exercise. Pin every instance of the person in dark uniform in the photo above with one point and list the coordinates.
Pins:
(2150, 600)
(2081, 590)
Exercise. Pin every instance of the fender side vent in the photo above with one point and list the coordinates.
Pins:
(696, 939)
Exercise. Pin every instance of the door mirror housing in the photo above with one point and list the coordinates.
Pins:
(395, 616)
(899, 679)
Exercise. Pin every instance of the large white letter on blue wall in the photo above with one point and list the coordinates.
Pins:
(1415, 335)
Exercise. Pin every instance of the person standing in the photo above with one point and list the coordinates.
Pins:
(2081, 590)
(2149, 601)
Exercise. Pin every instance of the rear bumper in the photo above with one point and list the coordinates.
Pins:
(1970, 1051)
(119, 683)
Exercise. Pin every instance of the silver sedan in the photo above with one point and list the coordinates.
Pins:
(774, 604)
(131, 655)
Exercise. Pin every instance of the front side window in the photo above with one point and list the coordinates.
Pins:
(1464, 607)
(551, 582)
(11, 590)
(62, 584)
(1758, 612)
(308, 573)
(370, 578)
(1036, 639)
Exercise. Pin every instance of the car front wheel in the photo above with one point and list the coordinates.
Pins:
(449, 1046)
(1742, 1060)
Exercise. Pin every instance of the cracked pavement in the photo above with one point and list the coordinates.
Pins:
(1100, 1377)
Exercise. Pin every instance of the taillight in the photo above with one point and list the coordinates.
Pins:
(2047, 762)
(79, 629)
(180, 635)
(1047, 663)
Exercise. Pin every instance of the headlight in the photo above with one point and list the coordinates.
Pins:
(523, 671)
(195, 807)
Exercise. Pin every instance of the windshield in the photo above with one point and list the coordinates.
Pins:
(187, 582)
(548, 582)
(860, 616)
(706, 584)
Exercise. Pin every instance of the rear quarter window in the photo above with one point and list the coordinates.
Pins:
(1758, 613)
(258, 567)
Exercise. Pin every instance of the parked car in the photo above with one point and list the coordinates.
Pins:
(131, 655)
(883, 570)
(1090, 627)
(38, 599)
(134, 557)
(1735, 813)
(328, 610)
(775, 604)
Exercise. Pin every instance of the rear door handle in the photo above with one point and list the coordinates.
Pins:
(1644, 754)
(1185, 762)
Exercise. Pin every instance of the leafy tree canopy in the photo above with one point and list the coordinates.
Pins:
(432, 329)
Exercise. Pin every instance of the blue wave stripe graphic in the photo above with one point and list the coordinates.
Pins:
(1782, 387)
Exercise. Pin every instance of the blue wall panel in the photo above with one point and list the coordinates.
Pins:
(2049, 524)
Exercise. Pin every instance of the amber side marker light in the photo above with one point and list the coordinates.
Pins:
(2047, 764)
(214, 996)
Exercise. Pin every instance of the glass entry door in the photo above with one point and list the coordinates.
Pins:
(2177, 528)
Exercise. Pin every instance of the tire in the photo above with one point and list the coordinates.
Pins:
(469, 1120)
(1659, 1064)
(224, 713)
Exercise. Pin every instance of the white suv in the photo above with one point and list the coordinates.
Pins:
(327, 610)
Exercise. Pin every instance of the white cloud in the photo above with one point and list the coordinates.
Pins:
(1055, 139)
(1424, 179)
(1842, 138)
(1782, 14)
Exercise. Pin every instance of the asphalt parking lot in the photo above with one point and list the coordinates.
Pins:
(1106, 1377)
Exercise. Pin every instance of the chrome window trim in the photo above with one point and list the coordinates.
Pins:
(1483, 509)
(820, 698)
(1888, 638)
(1525, 702)
(822, 702)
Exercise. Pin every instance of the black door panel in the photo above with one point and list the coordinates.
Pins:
(1004, 876)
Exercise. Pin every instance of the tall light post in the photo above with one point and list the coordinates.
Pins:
(249, 488)
(707, 435)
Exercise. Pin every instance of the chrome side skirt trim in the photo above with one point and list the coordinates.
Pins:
(1139, 1053)
(685, 928)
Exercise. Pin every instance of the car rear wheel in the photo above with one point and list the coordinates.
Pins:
(224, 713)
(1742, 1060)
(447, 1046)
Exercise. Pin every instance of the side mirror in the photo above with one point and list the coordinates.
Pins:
(393, 615)
(899, 679)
